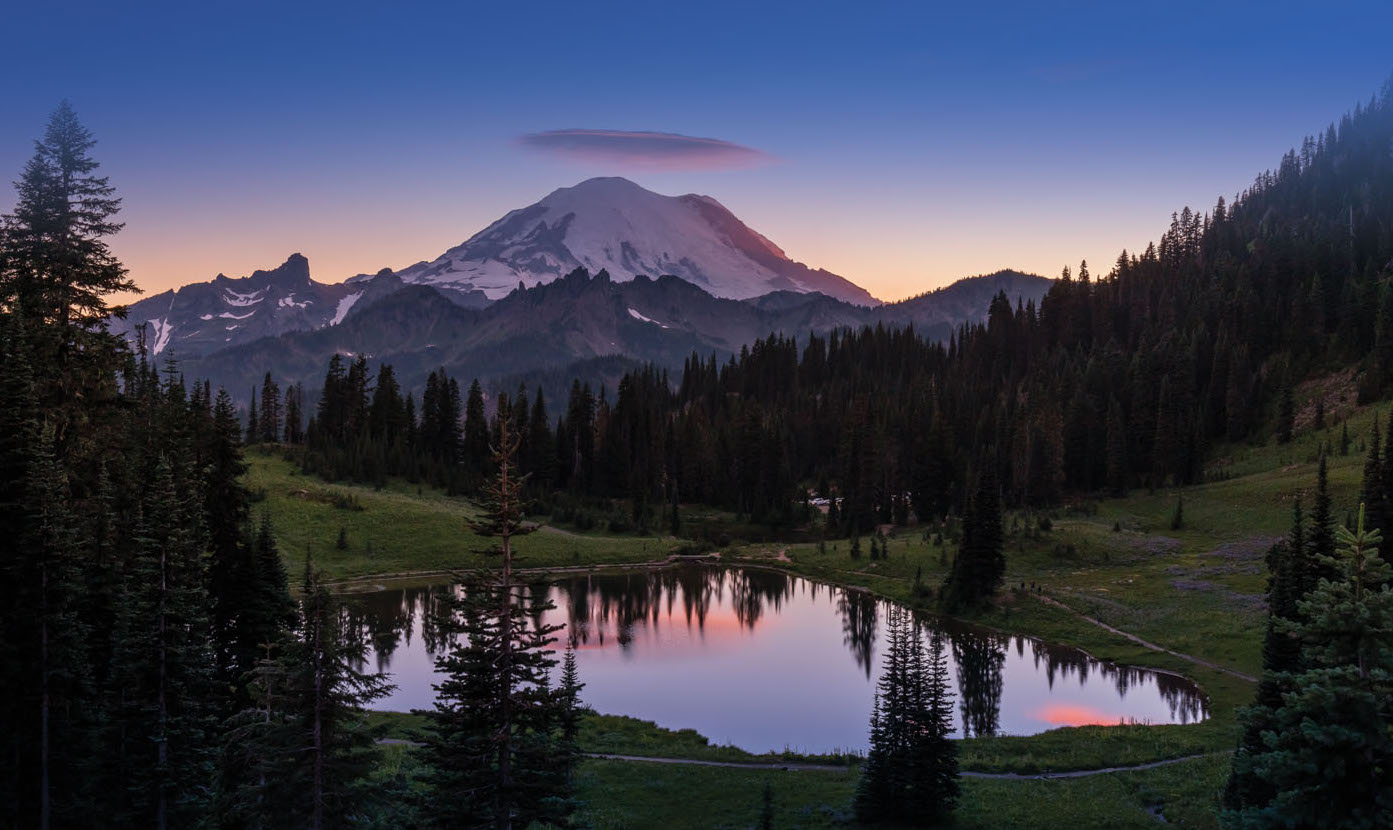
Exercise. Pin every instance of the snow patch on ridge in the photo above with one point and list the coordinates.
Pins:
(162, 332)
(289, 300)
(634, 314)
(229, 315)
(233, 298)
(344, 305)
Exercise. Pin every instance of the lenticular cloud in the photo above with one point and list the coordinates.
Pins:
(646, 150)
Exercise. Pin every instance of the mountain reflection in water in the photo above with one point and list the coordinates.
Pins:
(769, 661)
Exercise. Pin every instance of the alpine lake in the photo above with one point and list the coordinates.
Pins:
(768, 661)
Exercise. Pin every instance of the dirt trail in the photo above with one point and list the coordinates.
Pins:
(801, 767)
(1145, 644)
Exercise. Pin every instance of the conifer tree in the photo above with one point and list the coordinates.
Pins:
(1117, 462)
(18, 439)
(570, 711)
(980, 565)
(492, 745)
(50, 698)
(302, 748)
(253, 422)
(476, 438)
(1326, 754)
(1286, 414)
(59, 270)
(911, 769)
(1322, 534)
(269, 425)
(1291, 574)
(163, 706)
(934, 760)
(294, 414)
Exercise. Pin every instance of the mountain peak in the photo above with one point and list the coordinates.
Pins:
(610, 223)
(606, 183)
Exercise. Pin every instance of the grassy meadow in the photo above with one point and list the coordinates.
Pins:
(1195, 589)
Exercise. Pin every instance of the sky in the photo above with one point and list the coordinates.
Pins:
(901, 145)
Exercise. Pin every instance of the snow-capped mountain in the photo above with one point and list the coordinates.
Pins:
(614, 225)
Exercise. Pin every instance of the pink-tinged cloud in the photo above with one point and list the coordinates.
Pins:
(645, 150)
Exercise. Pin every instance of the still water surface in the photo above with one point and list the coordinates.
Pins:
(768, 661)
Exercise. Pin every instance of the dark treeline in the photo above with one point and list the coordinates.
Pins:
(155, 670)
(1116, 382)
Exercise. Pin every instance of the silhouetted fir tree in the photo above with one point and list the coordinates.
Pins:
(387, 412)
(305, 732)
(253, 422)
(248, 770)
(492, 743)
(225, 503)
(910, 773)
(1335, 717)
(265, 609)
(50, 698)
(294, 414)
(258, 787)
(1372, 493)
(331, 415)
(163, 701)
(569, 713)
(18, 439)
(541, 447)
(475, 448)
(272, 412)
(980, 565)
(1291, 574)
(1322, 534)
(1286, 413)
(58, 271)
(354, 396)
(933, 761)
(1383, 342)
(1118, 473)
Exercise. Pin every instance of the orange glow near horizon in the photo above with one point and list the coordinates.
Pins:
(1073, 714)
(893, 257)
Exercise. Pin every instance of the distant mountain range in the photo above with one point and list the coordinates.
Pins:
(599, 276)
(579, 318)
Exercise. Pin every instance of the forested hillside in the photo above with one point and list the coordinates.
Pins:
(1124, 380)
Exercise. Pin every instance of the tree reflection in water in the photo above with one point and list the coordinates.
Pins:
(720, 608)
(979, 659)
(860, 621)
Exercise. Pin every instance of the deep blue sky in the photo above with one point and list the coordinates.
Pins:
(911, 143)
